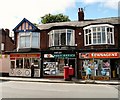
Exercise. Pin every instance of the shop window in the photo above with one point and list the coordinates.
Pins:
(19, 63)
(12, 64)
(52, 67)
(36, 62)
(99, 34)
(99, 67)
(27, 63)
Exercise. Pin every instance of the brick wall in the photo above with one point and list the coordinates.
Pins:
(8, 42)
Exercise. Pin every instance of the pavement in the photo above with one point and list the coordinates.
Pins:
(52, 80)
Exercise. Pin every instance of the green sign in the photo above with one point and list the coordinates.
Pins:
(64, 55)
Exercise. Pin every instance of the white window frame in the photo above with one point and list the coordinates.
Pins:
(52, 38)
(96, 26)
(30, 39)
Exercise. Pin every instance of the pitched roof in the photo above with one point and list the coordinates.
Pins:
(111, 20)
(24, 20)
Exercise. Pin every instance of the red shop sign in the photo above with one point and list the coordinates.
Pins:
(24, 55)
(100, 55)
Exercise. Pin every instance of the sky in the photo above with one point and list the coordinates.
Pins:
(13, 11)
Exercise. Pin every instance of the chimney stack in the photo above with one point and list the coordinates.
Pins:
(80, 14)
(7, 31)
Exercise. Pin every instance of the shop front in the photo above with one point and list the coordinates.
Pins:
(104, 65)
(53, 64)
(20, 64)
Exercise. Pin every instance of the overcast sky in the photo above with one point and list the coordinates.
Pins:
(13, 11)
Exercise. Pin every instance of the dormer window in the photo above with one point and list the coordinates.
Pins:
(28, 40)
(61, 37)
(99, 34)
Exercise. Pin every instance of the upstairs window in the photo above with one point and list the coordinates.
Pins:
(61, 37)
(99, 34)
(29, 40)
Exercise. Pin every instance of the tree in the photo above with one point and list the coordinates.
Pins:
(49, 18)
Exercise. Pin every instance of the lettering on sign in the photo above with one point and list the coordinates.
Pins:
(24, 55)
(104, 55)
(100, 55)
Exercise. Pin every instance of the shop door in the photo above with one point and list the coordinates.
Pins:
(114, 67)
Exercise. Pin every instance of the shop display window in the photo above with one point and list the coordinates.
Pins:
(12, 64)
(52, 67)
(27, 63)
(99, 67)
(19, 63)
(36, 62)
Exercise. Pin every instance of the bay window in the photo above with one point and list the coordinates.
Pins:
(99, 34)
(61, 37)
(29, 40)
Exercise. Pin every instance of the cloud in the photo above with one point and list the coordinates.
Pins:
(106, 3)
(13, 11)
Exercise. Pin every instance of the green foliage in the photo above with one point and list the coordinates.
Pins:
(49, 18)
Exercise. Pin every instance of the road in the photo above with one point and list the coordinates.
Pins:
(17, 89)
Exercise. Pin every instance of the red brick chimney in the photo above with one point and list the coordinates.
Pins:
(80, 14)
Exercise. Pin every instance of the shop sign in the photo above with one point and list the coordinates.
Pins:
(24, 55)
(100, 55)
(64, 55)
(104, 55)
(48, 56)
(59, 55)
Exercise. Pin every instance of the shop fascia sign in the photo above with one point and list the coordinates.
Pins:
(59, 55)
(100, 55)
(64, 55)
(24, 55)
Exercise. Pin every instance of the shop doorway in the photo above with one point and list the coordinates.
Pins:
(114, 68)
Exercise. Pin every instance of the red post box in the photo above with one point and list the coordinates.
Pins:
(71, 72)
(66, 73)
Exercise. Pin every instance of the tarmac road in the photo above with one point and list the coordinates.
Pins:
(17, 89)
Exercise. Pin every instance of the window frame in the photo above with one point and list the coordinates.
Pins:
(86, 42)
(26, 34)
(60, 31)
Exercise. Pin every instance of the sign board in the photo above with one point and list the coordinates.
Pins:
(59, 55)
(64, 55)
(100, 55)
(24, 55)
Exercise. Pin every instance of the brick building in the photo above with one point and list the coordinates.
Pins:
(81, 43)
(6, 44)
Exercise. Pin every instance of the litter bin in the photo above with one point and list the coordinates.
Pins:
(66, 73)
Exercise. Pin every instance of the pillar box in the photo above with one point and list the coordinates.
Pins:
(66, 73)
(71, 71)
